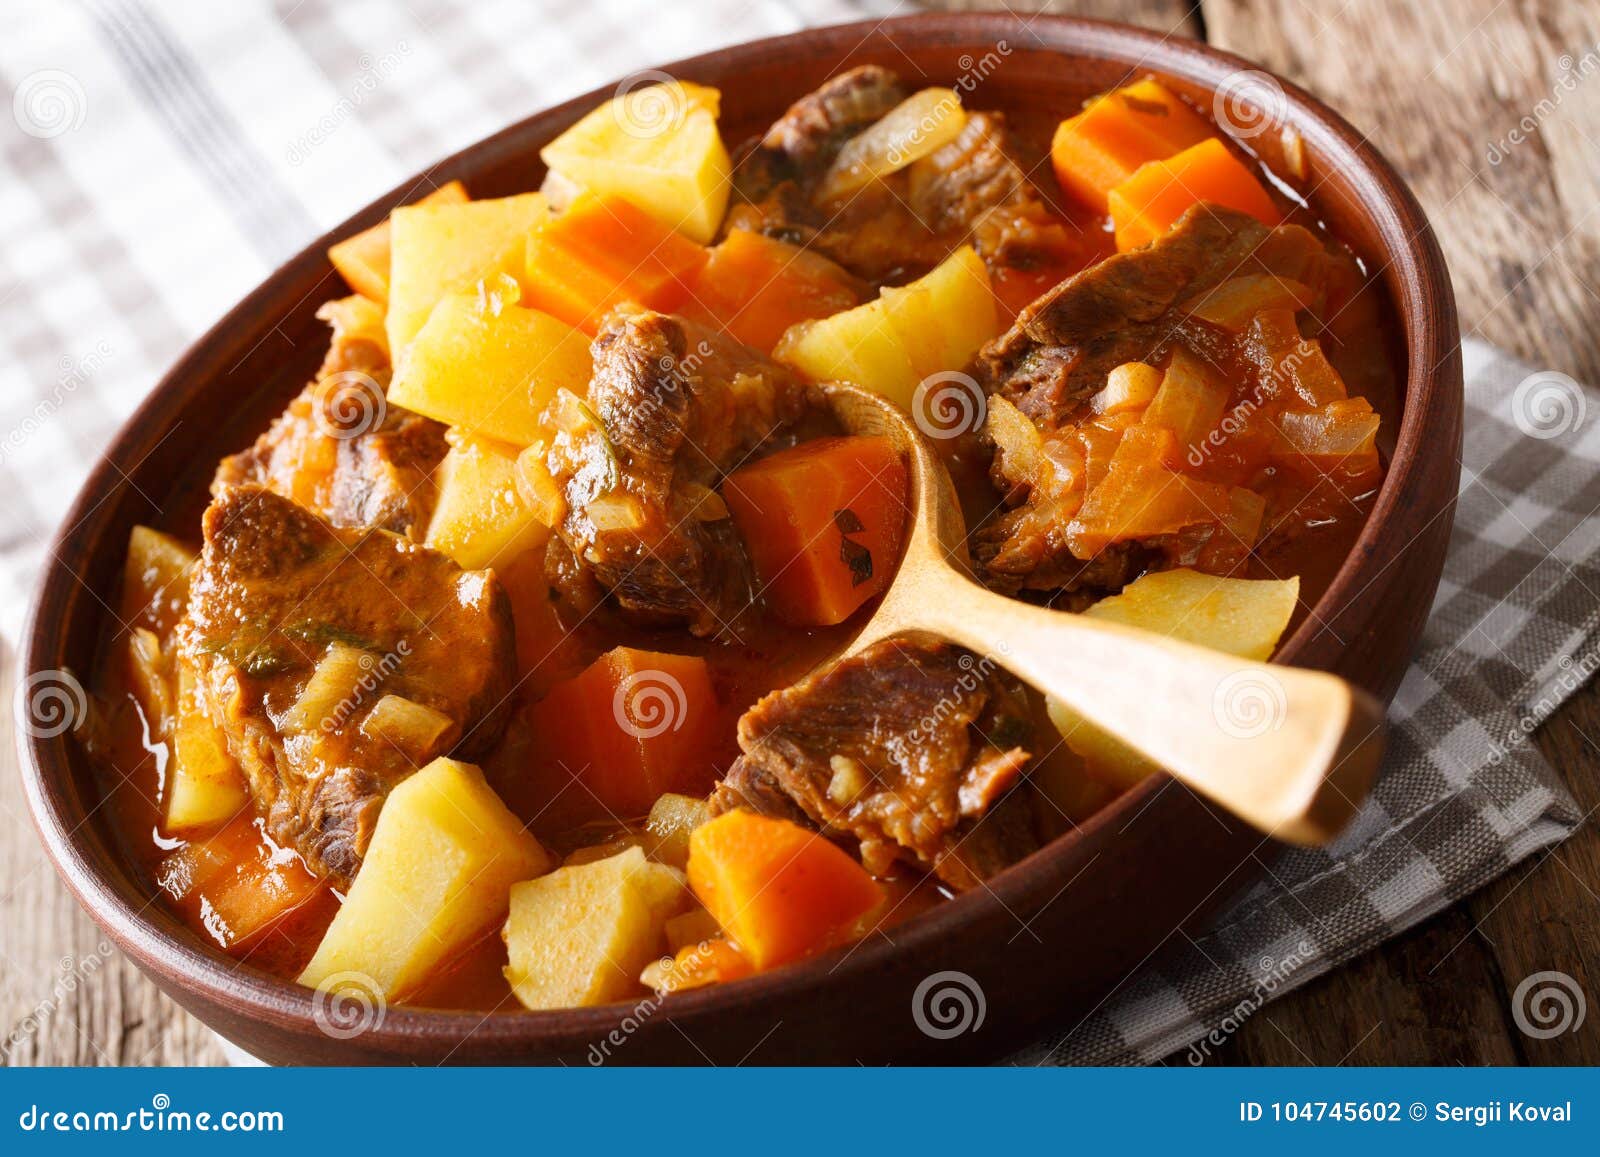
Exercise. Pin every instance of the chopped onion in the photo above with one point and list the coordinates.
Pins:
(415, 728)
(911, 130)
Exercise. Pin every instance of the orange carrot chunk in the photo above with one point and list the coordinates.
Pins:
(780, 892)
(755, 287)
(363, 260)
(604, 251)
(822, 523)
(1145, 205)
(1104, 145)
(237, 882)
(632, 725)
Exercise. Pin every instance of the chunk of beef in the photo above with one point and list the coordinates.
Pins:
(803, 142)
(672, 406)
(1126, 308)
(914, 748)
(973, 189)
(1131, 307)
(340, 449)
(276, 591)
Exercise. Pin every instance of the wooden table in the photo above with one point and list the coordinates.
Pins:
(1435, 84)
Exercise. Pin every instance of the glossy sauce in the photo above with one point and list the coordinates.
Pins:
(767, 657)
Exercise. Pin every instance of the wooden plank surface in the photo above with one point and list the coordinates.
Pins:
(1435, 86)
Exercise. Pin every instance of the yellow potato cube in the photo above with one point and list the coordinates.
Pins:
(481, 518)
(658, 146)
(889, 346)
(1243, 617)
(860, 346)
(446, 248)
(437, 876)
(945, 316)
(204, 786)
(363, 260)
(489, 367)
(155, 580)
(582, 934)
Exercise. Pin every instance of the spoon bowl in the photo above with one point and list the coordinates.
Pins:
(1291, 752)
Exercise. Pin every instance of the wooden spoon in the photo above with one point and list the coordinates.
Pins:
(1292, 752)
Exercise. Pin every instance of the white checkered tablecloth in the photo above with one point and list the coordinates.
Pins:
(158, 161)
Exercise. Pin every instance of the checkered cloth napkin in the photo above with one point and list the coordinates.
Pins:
(156, 163)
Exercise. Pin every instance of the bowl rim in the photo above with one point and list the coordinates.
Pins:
(183, 961)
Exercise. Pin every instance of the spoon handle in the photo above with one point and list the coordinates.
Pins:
(1293, 752)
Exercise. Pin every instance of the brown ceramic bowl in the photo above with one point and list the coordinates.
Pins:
(1052, 936)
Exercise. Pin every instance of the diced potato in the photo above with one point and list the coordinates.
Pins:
(331, 692)
(861, 346)
(658, 146)
(1243, 617)
(204, 787)
(691, 928)
(889, 346)
(363, 260)
(945, 316)
(1130, 386)
(437, 876)
(922, 123)
(671, 819)
(490, 368)
(581, 935)
(152, 684)
(481, 518)
(155, 580)
(442, 249)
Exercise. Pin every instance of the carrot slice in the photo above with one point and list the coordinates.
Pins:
(237, 883)
(632, 725)
(1148, 203)
(822, 524)
(1105, 144)
(363, 260)
(755, 287)
(601, 252)
(780, 892)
